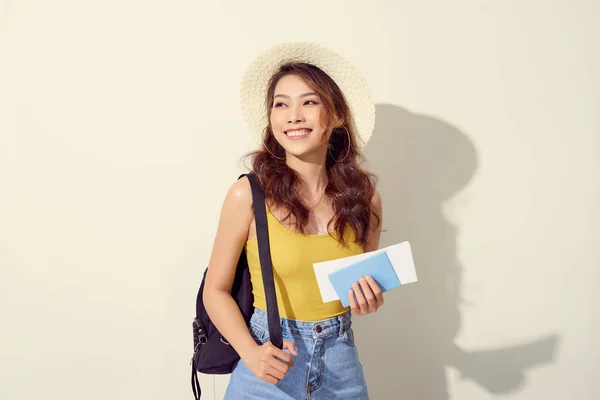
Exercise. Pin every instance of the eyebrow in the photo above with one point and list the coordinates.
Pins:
(302, 95)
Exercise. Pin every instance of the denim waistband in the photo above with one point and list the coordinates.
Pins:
(331, 326)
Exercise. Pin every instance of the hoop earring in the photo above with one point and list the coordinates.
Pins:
(347, 151)
(267, 148)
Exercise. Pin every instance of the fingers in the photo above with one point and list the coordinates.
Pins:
(376, 291)
(282, 355)
(276, 372)
(353, 304)
(270, 363)
(279, 366)
(269, 376)
(290, 346)
(277, 362)
(279, 359)
(360, 298)
(369, 296)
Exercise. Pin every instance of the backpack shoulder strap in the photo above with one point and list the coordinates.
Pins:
(264, 252)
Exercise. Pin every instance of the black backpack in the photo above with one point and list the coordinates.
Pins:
(212, 353)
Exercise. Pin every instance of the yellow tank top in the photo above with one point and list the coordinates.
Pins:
(293, 255)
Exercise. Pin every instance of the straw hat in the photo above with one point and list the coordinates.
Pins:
(346, 76)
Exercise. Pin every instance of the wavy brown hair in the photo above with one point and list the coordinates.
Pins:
(350, 188)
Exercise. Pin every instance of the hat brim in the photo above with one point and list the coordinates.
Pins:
(255, 82)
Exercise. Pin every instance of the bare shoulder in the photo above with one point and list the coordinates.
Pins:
(240, 193)
(232, 231)
(237, 211)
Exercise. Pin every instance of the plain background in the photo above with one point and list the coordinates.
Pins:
(121, 131)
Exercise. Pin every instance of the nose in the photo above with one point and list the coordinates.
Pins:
(295, 114)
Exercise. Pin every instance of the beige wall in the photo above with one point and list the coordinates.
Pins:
(120, 132)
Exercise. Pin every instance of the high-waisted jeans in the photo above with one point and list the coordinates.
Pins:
(327, 366)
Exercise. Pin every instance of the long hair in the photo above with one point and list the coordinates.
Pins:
(350, 188)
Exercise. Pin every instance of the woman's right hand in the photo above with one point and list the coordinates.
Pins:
(269, 363)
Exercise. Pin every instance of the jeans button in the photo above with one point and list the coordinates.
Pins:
(319, 329)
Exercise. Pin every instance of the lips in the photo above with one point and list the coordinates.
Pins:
(297, 133)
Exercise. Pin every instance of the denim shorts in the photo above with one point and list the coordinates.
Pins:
(327, 366)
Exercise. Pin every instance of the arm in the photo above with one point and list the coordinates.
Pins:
(267, 362)
(367, 298)
(232, 232)
(375, 225)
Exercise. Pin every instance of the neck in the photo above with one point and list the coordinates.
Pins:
(312, 173)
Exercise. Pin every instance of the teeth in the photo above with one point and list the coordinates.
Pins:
(299, 133)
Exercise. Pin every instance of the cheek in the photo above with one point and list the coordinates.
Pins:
(276, 120)
(272, 119)
(319, 119)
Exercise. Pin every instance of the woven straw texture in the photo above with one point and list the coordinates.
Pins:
(348, 78)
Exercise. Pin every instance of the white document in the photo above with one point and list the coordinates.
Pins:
(400, 256)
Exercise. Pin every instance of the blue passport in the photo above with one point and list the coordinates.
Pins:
(378, 267)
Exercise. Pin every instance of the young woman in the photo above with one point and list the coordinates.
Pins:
(321, 205)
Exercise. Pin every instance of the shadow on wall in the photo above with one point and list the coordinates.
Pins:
(405, 348)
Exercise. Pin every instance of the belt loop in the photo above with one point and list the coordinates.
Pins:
(341, 319)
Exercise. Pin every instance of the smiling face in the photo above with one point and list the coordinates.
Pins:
(298, 118)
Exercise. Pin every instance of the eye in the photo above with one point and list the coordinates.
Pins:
(278, 104)
(311, 102)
